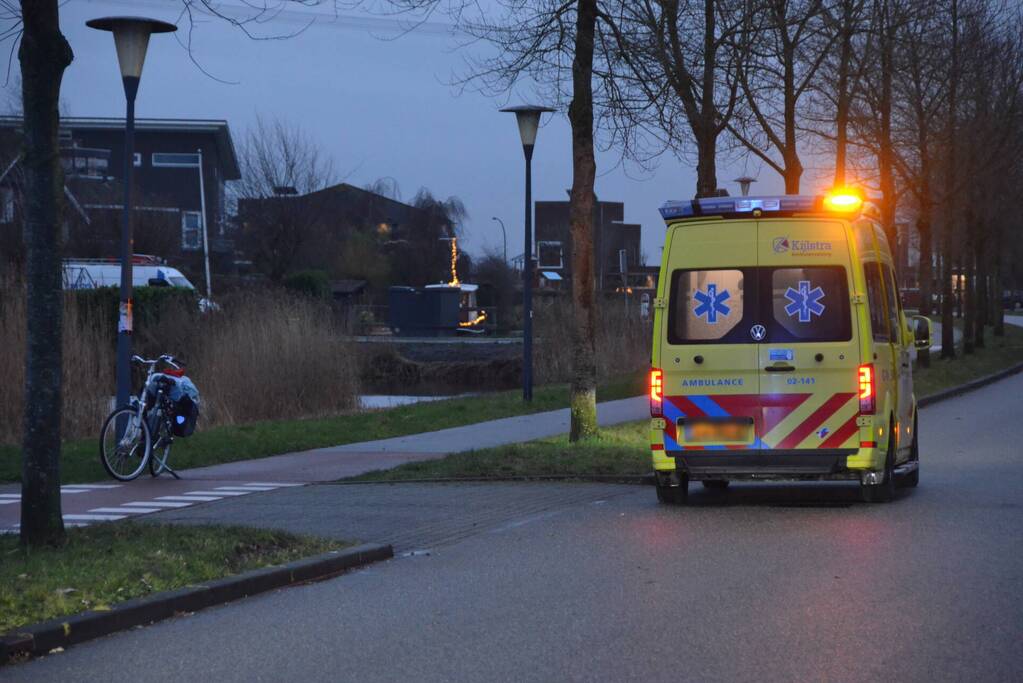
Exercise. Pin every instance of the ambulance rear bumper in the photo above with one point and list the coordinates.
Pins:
(820, 464)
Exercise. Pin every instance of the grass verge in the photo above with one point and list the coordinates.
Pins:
(108, 563)
(80, 458)
(998, 353)
(619, 450)
(624, 449)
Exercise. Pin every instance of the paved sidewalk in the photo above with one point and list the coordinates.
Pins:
(109, 500)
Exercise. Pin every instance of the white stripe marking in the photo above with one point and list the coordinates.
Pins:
(9, 502)
(10, 495)
(155, 504)
(95, 486)
(270, 483)
(246, 489)
(92, 518)
(125, 510)
(216, 493)
(64, 490)
(191, 499)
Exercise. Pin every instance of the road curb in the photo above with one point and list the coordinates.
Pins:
(972, 385)
(41, 638)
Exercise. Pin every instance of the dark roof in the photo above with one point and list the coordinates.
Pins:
(217, 127)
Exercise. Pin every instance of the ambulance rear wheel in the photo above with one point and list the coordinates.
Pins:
(885, 491)
(672, 495)
(715, 484)
(913, 478)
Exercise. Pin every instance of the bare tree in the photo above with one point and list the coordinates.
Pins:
(44, 54)
(673, 74)
(789, 44)
(279, 166)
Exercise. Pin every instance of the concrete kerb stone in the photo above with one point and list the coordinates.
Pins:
(41, 638)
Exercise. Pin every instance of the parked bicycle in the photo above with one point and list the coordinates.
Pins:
(143, 432)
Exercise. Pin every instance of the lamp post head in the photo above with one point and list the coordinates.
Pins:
(744, 183)
(528, 117)
(131, 38)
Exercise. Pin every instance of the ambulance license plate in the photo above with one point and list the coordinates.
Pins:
(715, 430)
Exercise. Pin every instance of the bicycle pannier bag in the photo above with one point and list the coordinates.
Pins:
(186, 415)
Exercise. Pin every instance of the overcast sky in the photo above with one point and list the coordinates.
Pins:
(379, 107)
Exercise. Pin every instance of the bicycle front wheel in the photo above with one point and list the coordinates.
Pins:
(125, 456)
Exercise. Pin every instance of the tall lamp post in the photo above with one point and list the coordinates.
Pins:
(504, 237)
(528, 117)
(131, 38)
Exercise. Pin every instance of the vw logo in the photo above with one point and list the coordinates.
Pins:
(780, 245)
(758, 332)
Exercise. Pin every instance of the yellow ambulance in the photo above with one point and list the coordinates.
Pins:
(781, 350)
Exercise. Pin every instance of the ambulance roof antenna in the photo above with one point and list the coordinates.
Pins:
(744, 183)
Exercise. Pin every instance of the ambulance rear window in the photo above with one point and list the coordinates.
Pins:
(707, 306)
(809, 303)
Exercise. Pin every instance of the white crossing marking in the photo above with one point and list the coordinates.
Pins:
(192, 499)
(92, 518)
(6, 501)
(126, 510)
(10, 495)
(95, 486)
(64, 489)
(216, 493)
(270, 483)
(246, 489)
(156, 504)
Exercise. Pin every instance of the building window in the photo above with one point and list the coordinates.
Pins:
(137, 159)
(191, 230)
(6, 205)
(175, 160)
(550, 255)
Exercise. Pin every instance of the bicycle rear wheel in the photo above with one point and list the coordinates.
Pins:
(125, 458)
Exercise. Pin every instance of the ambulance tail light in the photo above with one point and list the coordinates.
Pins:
(656, 393)
(867, 392)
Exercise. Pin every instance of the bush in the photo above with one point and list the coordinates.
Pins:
(311, 283)
(623, 339)
(264, 355)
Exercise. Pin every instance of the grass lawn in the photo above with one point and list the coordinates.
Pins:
(108, 563)
(80, 458)
(998, 354)
(625, 449)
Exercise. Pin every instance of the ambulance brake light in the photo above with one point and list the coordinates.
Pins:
(867, 394)
(656, 393)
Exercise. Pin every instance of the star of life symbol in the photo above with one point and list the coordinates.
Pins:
(712, 303)
(805, 302)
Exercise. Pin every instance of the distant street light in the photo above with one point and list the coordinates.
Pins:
(744, 183)
(528, 117)
(131, 39)
(504, 236)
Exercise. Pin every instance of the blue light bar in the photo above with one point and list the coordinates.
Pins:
(739, 206)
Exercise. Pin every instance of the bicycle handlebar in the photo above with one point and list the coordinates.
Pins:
(166, 358)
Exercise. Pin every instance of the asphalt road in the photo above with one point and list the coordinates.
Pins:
(598, 582)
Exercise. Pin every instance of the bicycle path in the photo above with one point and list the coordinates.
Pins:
(110, 500)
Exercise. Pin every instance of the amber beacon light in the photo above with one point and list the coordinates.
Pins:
(843, 200)
(656, 392)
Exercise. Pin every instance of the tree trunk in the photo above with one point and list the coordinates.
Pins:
(982, 303)
(583, 400)
(947, 332)
(969, 297)
(707, 132)
(44, 54)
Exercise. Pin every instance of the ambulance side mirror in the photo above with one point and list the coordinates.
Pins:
(921, 332)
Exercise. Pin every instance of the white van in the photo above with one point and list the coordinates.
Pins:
(94, 273)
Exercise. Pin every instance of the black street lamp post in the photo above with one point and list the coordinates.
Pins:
(131, 38)
(528, 117)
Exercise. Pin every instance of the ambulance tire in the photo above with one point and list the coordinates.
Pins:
(673, 495)
(911, 480)
(885, 491)
(715, 484)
